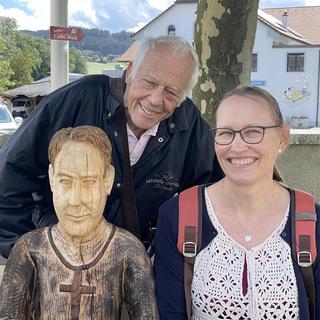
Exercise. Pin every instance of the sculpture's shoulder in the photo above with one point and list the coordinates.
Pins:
(33, 241)
(127, 244)
(124, 237)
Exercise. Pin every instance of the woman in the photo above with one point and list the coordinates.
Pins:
(245, 269)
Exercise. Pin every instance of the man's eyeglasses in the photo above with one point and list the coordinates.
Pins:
(251, 135)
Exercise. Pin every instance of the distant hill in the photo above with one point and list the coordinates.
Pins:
(100, 41)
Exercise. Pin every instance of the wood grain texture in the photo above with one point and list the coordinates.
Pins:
(34, 274)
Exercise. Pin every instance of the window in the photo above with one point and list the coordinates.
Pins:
(295, 62)
(254, 62)
(4, 116)
(171, 30)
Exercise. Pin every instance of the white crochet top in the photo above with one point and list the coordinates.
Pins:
(231, 282)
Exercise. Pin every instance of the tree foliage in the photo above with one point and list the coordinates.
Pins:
(42, 68)
(24, 58)
(103, 42)
(77, 61)
(5, 69)
(224, 38)
(19, 55)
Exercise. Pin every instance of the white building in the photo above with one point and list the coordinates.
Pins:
(284, 62)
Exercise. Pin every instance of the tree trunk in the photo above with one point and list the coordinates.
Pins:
(224, 39)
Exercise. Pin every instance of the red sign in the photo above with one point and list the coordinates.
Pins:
(64, 33)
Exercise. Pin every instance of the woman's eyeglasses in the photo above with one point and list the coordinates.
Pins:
(251, 135)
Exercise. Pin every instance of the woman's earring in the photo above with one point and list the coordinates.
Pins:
(280, 150)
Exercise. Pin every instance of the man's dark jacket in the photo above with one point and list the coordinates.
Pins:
(179, 156)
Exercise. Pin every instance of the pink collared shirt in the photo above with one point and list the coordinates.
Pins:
(136, 146)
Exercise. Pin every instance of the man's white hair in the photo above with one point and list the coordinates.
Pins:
(178, 46)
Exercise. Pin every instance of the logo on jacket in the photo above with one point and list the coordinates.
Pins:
(165, 180)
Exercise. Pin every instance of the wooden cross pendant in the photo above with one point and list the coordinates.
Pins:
(76, 289)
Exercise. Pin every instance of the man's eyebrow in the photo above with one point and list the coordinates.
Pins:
(92, 176)
(152, 78)
(149, 76)
(177, 90)
(61, 174)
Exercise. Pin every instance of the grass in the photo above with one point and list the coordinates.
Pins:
(96, 68)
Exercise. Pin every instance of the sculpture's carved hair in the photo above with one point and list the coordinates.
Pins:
(86, 134)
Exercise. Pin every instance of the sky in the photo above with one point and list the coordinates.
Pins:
(112, 15)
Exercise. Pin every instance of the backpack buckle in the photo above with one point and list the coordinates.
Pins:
(189, 249)
(304, 259)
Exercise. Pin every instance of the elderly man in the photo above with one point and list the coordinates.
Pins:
(161, 143)
(83, 267)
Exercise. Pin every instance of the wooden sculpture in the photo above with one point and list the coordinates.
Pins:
(83, 267)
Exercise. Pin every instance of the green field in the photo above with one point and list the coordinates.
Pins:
(95, 67)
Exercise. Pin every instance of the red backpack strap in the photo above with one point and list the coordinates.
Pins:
(306, 220)
(188, 222)
(305, 240)
(189, 235)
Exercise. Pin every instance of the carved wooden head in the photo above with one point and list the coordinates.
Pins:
(81, 179)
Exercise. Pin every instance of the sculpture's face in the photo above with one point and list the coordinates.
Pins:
(80, 185)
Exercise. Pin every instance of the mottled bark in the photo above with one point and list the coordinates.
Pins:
(224, 38)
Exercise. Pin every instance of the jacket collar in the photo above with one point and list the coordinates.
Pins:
(117, 87)
(179, 119)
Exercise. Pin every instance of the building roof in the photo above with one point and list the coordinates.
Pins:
(129, 53)
(156, 18)
(305, 20)
(306, 33)
(276, 24)
(37, 88)
(263, 16)
(186, 1)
